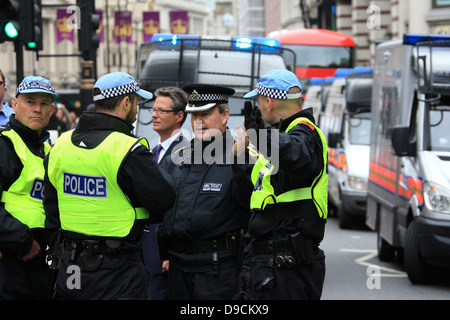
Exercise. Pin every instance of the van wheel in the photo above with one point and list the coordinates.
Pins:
(415, 264)
(386, 252)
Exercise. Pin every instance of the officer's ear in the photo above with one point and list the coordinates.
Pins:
(125, 103)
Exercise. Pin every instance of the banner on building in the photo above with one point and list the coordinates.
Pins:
(122, 27)
(150, 23)
(179, 22)
(100, 25)
(65, 25)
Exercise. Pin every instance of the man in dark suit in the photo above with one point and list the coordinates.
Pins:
(168, 116)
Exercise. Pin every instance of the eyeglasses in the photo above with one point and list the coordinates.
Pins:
(161, 111)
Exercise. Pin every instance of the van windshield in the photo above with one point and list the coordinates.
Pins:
(322, 56)
(439, 128)
(360, 128)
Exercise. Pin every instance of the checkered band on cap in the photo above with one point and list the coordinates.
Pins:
(35, 84)
(271, 93)
(117, 91)
(203, 98)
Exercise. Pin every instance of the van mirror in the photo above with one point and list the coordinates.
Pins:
(333, 139)
(401, 143)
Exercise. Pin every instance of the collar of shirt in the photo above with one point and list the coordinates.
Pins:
(166, 144)
(6, 110)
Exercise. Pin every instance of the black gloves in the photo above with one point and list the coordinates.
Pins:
(252, 115)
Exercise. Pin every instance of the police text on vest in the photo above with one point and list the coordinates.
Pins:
(84, 186)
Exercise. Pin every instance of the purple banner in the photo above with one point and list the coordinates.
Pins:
(179, 22)
(65, 26)
(100, 26)
(150, 22)
(122, 27)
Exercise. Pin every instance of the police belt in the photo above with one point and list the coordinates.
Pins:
(300, 248)
(102, 246)
(185, 246)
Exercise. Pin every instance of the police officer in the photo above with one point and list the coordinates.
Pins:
(289, 200)
(102, 183)
(212, 205)
(24, 273)
(5, 109)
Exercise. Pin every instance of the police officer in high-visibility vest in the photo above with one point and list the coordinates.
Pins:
(289, 200)
(103, 186)
(24, 273)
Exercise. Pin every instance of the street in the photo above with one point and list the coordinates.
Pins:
(354, 272)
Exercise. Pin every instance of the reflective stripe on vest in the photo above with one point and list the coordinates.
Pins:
(90, 200)
(264, 194)
(23, 199)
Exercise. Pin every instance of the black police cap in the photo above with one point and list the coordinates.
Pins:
(203, 97)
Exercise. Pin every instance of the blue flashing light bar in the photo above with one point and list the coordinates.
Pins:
(343, 72)
(362, 69)
(316, 81)
(240, 43)
(174, 39)
(247, 43)
(416, 38)
(329, 80)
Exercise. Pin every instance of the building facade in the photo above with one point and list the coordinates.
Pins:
(367, 21)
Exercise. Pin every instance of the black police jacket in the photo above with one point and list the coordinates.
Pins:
(212, 199)
(300, 161)
(140, 177)
(16, 237)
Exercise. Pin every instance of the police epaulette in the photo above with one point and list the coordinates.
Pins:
(4, 128)
(307, 124)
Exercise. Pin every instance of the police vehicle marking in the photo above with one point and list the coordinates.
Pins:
(85, 186)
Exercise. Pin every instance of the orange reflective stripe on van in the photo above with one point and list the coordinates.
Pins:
(386, 179)
(337, 159)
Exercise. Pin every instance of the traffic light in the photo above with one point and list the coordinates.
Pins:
(11, 20)
(88, 38)
(33, 15)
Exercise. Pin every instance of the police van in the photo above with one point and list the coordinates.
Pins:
(409, 179)
(176, 60)
(312, 97)
(346, 123)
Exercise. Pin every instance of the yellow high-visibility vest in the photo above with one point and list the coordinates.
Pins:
(23, 199)
(90, 200)
(264, 194)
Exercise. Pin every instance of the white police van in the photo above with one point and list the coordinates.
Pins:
(313, 97)
(409, 180)
(346, 123)
(176, 60)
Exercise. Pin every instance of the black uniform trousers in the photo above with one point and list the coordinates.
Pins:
(158, 286)
(265, 280)
(120, 276)
(24, 280)
(219, 283)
